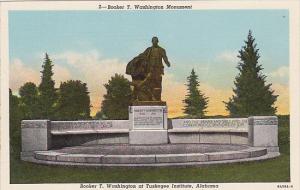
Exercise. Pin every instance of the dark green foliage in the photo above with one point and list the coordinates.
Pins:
(99, 115)
(284, 133)
(117, 98)
(47, 91)
(15, 117)
(73, 101)
(252, 96)
(29, 101)
(195, 101)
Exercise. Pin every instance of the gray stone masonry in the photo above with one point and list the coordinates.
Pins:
(36, 135)
(93, 126)
(226, 154)
(184, 136)
(213, 124)
(256, 131)
(148, 137)
(263, 131)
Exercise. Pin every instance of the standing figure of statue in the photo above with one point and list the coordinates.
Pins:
(155, 54)
(146, 71)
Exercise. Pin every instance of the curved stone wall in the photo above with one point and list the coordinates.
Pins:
(256, 131)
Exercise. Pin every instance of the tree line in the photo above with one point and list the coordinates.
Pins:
(251, 94)
(71, 101)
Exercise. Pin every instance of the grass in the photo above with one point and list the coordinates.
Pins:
(274, 170)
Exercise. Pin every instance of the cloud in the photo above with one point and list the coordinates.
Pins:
(281, 72)
(27, 74)
(61, 74)
(283, 99)
(227, 56)
(173, 92)
(94, 69)
(221, 70)
(20, 74)
(280, 75)
(216, 97)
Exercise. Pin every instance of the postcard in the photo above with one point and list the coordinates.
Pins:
(150, 95)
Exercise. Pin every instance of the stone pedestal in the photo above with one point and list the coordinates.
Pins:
(148, 125)
(263, 132)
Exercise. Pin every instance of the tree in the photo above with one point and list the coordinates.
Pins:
(117, 98)
(195, 101)
(73, 101)
(29, 101)
(15, 117)
(252, 96)
(47, 91)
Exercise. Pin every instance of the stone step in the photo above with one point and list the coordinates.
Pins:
(250, 152)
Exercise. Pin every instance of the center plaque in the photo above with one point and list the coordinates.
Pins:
(148, 117)
(148, 125)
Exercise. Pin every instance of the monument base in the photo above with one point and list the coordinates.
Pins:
(148, 137)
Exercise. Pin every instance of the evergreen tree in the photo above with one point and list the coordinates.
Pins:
(73, 101)
(29, 101)
(47, 91)
(117, 98)
(195, 101)
(252, 96)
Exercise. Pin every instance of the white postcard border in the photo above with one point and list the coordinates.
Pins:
(292, 6)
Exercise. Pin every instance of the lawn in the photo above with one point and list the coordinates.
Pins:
(274, 170)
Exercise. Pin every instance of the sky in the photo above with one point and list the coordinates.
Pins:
(93, 45)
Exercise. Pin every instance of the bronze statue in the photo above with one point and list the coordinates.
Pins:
(146, 71)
